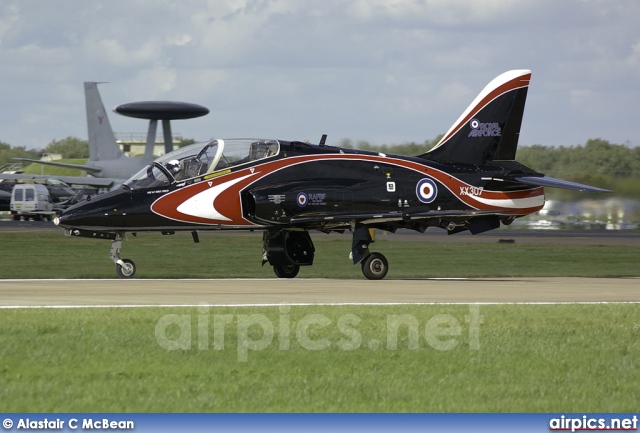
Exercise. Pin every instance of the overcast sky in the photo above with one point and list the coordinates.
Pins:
(385, 71)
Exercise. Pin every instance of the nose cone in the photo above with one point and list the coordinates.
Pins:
(97, 213)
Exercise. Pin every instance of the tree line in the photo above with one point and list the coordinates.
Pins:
(598, 162)
(70, 147)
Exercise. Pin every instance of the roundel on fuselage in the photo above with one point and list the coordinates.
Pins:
(302, 199)
(426, 190)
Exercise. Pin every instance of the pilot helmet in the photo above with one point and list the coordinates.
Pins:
(173, 166)
(262, 150)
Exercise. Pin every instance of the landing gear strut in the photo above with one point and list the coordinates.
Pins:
(125, 268)
(374, 265)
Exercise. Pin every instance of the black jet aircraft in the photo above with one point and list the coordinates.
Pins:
(468, 181)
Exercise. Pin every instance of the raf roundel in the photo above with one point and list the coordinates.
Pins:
(302, 199)
(474, 123)
(426, 190)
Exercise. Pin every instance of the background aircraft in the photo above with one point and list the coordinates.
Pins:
(107, 164)
(5, 195)
(468, 181)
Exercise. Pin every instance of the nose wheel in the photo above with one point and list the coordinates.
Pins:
(125, 268)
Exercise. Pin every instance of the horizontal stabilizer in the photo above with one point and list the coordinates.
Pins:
(87, 168)
(557, 183)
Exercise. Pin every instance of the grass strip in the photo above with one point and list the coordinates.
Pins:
(520, 358)
(49, 254)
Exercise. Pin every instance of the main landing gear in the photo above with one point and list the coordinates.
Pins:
(286, 271)
(288, 250)
(374, 265)
(125, 268)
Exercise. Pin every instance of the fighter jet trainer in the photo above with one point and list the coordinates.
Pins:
(468, 181)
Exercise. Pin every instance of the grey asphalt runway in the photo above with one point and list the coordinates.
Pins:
(314, 291)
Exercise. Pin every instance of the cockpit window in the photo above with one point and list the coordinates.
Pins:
(152, 176)
(199, 159)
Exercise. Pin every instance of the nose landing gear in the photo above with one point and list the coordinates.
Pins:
(125, 268)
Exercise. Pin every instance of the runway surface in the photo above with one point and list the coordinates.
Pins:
(51, 293)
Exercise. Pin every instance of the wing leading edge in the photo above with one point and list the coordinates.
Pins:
(557, 183)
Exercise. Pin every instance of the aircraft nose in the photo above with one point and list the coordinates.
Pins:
(72, 217)
(91, 213)
(68, 219)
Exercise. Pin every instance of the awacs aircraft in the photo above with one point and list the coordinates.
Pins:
(107, 164)
(468, 181)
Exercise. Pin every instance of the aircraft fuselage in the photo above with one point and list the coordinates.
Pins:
(311, 187)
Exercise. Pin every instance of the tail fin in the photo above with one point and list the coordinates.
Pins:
(489, 128)
(102, 142)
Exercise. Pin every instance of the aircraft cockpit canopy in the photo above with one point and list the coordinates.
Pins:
(199, 159)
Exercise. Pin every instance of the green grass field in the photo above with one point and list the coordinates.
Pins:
(50, 254)
(562, 358)
(521, 358)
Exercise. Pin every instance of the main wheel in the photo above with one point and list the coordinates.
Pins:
(375, 266)
(126, 271)
(286, 271)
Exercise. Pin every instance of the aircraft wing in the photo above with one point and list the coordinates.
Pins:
(86, 168)
(369, 218)
(71, 180)
(557, 183)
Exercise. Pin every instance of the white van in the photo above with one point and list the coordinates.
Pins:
(31, 200)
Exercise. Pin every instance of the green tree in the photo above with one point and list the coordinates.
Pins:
(7, 153)
(409, 149)
(70, 147)
(596, 157)
(186, 142)
(598, 162)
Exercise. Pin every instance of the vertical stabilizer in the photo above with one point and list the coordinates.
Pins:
(489, 128)
(102, 142)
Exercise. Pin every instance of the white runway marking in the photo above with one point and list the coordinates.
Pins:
(345, 304)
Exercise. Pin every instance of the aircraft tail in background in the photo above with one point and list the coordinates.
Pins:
(102, 141)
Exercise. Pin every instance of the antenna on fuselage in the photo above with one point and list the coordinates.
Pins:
(160, 110)
(323, 140)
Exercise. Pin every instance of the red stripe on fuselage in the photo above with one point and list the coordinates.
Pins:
(229, 203)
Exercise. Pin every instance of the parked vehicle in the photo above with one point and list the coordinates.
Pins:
(31, 200)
